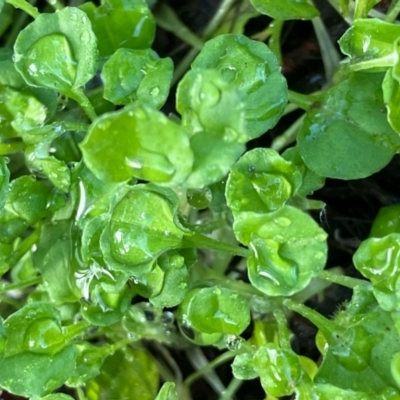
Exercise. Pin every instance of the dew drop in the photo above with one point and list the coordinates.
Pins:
(155, 91)
(283, 221)
(74, 16)
(320, 237)
(228, 73)
(319, 255)
(85, 37)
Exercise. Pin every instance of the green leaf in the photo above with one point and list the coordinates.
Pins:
(280, 369)
(19, 112)
(286, 9)
(346, 135)
(117, 24)
(137, 142)
(28, 201)
(209, 103)
(377, 260)
(391, 96)
(143, 225)
(167, 392)
(34, 341)
(253, 69)
(387, 221)
(131, 75)
(310, 180)
(4, 181)
(89, 359)
(261, 181)
(55, 261)
(288, 249)
(175, 280)
(129, 374)
(215, 310)
(57, 51)
(243, 367)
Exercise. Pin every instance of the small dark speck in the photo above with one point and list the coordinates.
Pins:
(251, 168)
(149, 315)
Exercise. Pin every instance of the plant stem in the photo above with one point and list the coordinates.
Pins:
(25, 6)
(10, 148)
(21, 284)
(210, 366)
(274, 42)
(283, 331)
(393, 12)
(80, 393)
(304, 101)
(289, 136)
(231, 389)
(24, 247)
(85, 103)
(343, 280)
(16, 304)
(204, 242)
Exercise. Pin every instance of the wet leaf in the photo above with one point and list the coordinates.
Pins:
(255, 72)
(137, 142)
(167, 392)
(131, 75)
(118, 24)
(288, 249)
(348, 119)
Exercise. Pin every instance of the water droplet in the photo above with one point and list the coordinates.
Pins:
(167, 317)
(83, 19)
(283, 221)
(155, 91)
(228, 73)
(33, 69)
(135, 163)
(233, 342)
(229, 135)
(320, 237)
(85, 37)
(210, 94)
(74, 16)
(319, 255)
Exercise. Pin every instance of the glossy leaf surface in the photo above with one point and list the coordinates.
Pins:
(348, 119)
(286, 9)
(215, 310)
(137, 142)
(288, 249)
(4, 181)
(57, 51)
(118, 24)
(167, 392)
(254, 70)
(386, 222)
(129, 374)
(131, 75)
(378, 260)
(261, 181)
(143, 225)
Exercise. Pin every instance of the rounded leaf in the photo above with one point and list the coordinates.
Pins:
(131, 75)
(137, 142)
(346, 136)
(378, 260)
(57, 50)
(261, 181)
(387, 221)
(254, 70)
(288, 249)
(143, 225)
(215, 310)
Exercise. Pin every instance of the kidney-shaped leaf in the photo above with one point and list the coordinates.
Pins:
(140, 142)
(288, 249)
(57, 51)
(254, 70)
(131, 75)
(347, 136)
(261, 181)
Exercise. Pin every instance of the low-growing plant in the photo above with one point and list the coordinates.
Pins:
(124, 229)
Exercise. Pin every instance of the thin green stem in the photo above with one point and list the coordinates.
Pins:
(223, 358)
(232, 388)
(81, 394)
(24, 247)
(343, 280)
(56, 4)
(393, 12)
(283, 331)
(16, 28)
(274, 42)
(303, 101)
(25, 6)
(385, 61)
(204, 242)
(85, 103)
(209, 226)
(8, 300)
(21, 284)
(288, 136)
(11, 148)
